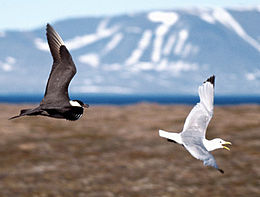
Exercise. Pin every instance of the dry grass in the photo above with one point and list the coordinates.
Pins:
(116, 151)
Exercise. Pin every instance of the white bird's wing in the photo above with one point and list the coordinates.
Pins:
(200, 116)
(196, 148)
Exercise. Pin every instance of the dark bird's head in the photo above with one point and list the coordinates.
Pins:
(76, 110)
(78, 103)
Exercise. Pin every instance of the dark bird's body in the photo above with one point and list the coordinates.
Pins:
(56, 102)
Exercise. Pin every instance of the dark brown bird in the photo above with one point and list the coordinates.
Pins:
(56, 102)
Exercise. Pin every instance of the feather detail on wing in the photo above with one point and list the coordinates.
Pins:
(202, 154)
(196, 148)
(63, 70)
(55, 42)
(200, 116)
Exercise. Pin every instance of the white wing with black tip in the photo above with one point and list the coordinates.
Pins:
(201, 114)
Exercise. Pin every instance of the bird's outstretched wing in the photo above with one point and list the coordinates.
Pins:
(55, 42)
(197, 121)
(63, 70)
(196, 148)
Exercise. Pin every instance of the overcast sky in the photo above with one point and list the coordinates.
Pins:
(28, 14)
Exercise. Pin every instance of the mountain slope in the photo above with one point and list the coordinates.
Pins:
(154, 52)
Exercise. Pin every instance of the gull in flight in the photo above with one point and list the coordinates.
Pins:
(193, 134)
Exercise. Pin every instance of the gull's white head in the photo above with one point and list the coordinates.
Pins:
(216, 144)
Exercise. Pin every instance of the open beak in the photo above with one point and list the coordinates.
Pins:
(225, 147)
(86, 105)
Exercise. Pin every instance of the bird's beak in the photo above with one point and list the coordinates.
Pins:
(86, 105)
(226, 143)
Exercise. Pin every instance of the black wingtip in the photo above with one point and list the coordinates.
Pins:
(211, 80)
(48, 25)
(221, 171)
(49, 28)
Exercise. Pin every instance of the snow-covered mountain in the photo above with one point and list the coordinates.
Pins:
(169, 51)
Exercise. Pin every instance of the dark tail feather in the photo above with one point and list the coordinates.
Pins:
(14, 117)
(220, 170)
(169, 140)
(23, 112)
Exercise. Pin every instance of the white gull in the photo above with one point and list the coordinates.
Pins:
(193, 134)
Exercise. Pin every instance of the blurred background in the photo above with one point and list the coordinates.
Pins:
(139, 65)
(132, 47)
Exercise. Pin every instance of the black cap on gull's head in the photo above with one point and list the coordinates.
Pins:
(211, 80)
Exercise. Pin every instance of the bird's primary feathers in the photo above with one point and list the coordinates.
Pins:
(56, 102)
(193, 134)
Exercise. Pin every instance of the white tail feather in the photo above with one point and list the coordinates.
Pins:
(164, 134)
(172, 136)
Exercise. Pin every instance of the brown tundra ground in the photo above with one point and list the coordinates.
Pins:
(116, 151)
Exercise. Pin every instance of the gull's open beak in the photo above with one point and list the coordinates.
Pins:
(86, 105)
(226, 143)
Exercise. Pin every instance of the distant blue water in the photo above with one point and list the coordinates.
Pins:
(118, 99)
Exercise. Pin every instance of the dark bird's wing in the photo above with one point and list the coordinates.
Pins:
(63, 70)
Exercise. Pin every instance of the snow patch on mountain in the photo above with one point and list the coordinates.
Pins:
(103, 89)
(173, 67)
(101, 33)
(183, 35)
(41, 45)
(169, 44)
(177, 67)
(8, 64)
(253, 76)
(142, 45)
(82, 41)
(246, 8)
(113, 42)
(90, 59)
(206, 15)
(2, 34)
(222, 16)
(167, 19)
